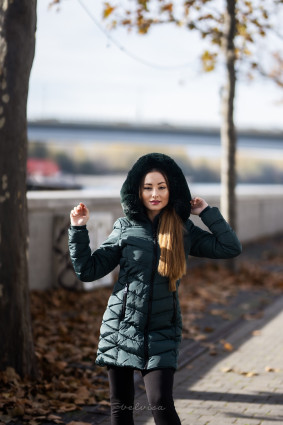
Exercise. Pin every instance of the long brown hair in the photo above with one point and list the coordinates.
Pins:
(172, 262)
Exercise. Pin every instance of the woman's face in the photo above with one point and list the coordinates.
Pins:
(154, 193)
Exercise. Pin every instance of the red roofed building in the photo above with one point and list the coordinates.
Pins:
(42, 167)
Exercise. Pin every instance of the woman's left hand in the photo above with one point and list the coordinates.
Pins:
(198, 205)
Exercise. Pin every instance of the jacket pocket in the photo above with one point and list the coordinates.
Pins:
(125, 294)
(174, 307)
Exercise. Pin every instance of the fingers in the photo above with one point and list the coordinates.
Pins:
(80, 209)
(196, 201)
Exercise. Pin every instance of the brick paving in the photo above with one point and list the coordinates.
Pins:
(242, 387)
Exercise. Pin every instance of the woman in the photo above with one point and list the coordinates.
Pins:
(141, 327)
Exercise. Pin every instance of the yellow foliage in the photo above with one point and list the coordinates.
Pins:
(127, 22)
(143, 3)
(167, 7)
(107, 10)
(208, 61)
(143, 29)
(242, 29)
(247, 52)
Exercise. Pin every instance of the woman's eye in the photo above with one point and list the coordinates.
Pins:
(159, 188)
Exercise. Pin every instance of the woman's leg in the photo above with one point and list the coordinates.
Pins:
(159, 390)
(122, 392)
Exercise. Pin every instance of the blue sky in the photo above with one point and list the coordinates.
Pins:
(79, 74)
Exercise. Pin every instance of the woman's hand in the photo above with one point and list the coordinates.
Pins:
(198, 205)
(79, 215)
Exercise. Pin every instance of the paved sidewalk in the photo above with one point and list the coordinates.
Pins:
(242, 387)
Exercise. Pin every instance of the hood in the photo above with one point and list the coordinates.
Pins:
(179, 197)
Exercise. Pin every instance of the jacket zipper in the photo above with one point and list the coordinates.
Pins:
(124, 301)
(146, 329)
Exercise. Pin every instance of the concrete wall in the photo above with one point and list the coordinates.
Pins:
(259, 214)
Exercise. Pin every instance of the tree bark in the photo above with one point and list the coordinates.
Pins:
(228, 133)
(17, 47)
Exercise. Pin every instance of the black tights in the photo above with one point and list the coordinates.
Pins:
(159, 388)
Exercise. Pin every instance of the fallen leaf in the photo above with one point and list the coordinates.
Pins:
(107, 403)
(55, 418)
(271, 369)
(226, 345)
(227, 369)
(208, 329)
(78, 423)
(249, 374)
(200, 337)
(67, 408)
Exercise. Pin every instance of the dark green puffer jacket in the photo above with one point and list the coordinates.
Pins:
(142, 324)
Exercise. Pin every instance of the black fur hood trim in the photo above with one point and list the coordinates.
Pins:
(180, 195)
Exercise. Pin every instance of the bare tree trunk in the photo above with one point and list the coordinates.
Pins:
(17, 46)
(228, 134)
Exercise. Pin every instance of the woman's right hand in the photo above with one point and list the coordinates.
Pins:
(79, 215)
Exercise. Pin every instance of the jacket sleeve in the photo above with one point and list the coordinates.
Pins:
(222, 242)
(92, 266)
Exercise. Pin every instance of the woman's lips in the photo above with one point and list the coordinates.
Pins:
(154, 202)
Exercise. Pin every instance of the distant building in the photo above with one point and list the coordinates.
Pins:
(42, 167)
(45, 174)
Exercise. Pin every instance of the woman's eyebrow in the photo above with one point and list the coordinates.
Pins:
(150, 184)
